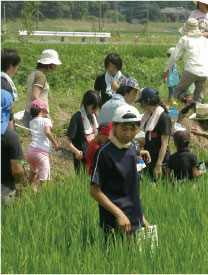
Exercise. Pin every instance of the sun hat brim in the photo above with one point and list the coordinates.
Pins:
(48, 61)
(202, 1)
(194, 117)
(183, 30)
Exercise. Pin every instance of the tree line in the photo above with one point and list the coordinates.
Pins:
(79, 10)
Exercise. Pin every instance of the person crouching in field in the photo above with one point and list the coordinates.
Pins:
(83, 129)
(115, 178)
(183, 163)
(102, 136)
(40, 145)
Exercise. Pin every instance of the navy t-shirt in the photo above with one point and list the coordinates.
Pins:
(10, 149)
(182, 163)
(115, 172)
(153, 139)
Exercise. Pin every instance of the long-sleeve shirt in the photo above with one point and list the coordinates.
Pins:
(195, 51)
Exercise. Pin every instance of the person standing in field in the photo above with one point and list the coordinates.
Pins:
(11, 151)
(194, 47)
(156, 123)
(83, 129)
(40, 144)
(201, 15)
(171, 78)
(10, 61)
(201, 116)
(115, 178)
(108, 82)
(37, 86)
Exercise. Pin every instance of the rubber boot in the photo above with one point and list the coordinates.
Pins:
(172, 101)
(185, 98)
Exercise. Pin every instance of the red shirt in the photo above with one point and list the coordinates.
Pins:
(92, 148)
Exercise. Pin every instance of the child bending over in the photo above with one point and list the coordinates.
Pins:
(183, 163)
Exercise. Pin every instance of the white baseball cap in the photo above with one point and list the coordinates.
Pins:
(49, 57)
(121, 114)
(170, 50)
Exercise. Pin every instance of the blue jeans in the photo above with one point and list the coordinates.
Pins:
(171, 91)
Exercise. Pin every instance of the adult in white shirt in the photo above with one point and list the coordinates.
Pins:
(194, 47)
(201, 15)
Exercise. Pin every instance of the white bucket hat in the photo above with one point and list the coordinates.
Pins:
(202, 1)
(191, 28)
(120, 114)
(201, 113)
(49, 57)
(170, 50)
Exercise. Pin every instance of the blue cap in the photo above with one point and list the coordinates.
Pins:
(147, 92)
(130, 82)
(6, 104)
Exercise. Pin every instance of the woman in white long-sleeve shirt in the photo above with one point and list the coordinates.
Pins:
(194, 47)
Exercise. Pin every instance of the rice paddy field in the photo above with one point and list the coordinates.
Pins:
(57, 230)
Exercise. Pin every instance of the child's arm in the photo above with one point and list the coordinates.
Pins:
(50, 136)
(73, 149)
(163, 148)
(199, 132)
(165, 76)
(121, 219)
(196, 173)
(147, 155)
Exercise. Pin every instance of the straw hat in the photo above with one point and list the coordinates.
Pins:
(49, 57)
(201, 113)
(190, 28)
(202, 1)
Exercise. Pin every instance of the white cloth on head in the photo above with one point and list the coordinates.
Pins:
(14, 90)
(90, 130)
(151, 119)
(108, 80)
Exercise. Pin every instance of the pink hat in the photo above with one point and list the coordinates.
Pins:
(39, 104)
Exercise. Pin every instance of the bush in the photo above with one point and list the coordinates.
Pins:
(114, 16)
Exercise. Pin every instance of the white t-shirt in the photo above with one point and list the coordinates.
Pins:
(201, 17)
(38, 136)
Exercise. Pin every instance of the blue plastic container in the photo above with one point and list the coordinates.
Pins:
(174, 115)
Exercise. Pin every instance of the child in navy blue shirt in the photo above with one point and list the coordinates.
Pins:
(115, 178)
(183, 163)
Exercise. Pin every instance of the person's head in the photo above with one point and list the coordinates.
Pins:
(10, 61)
(191, 28)
(201, 116)
(91, 102)
(149, 97)
(104, 132)
(49, 60)
(125, 123)
(128, 89)
(113, 63)
(202, 5)
(6, 104)
(38, 107)
(170, 51)
(182, 139)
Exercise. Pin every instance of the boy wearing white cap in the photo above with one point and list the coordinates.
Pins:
(171, 78)
(115, 178)
(37, 86)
